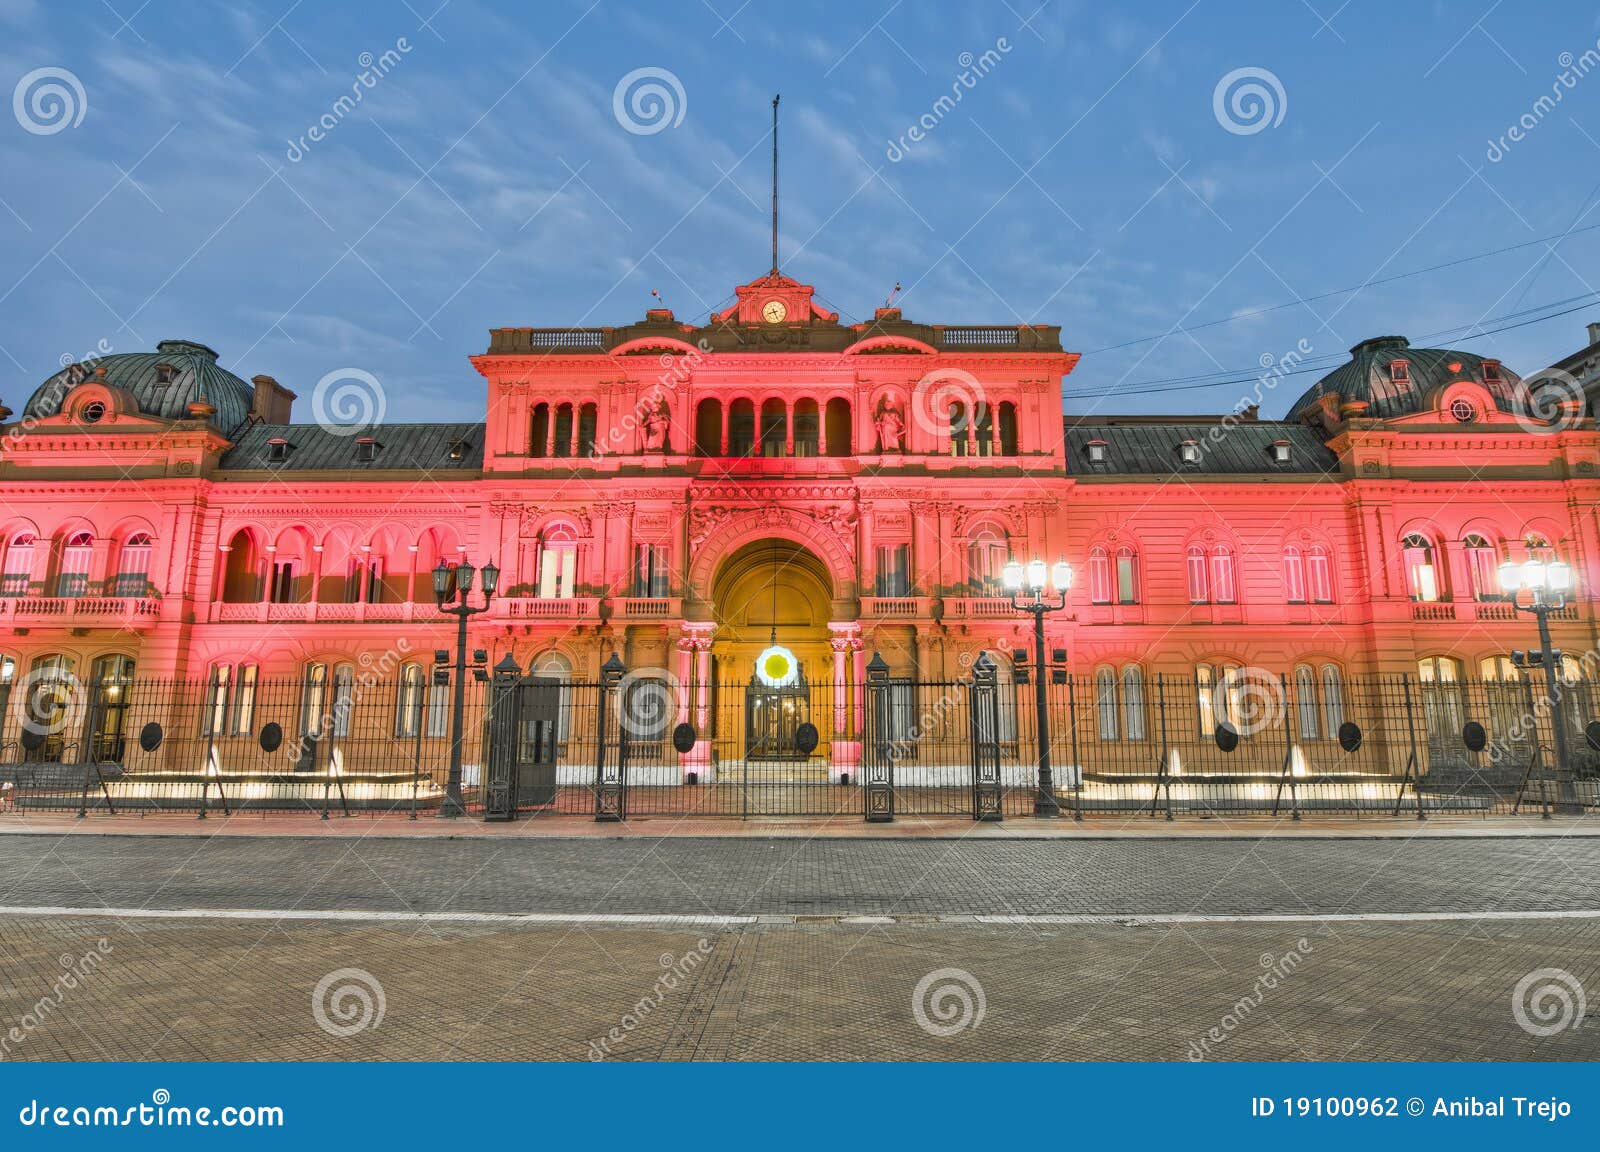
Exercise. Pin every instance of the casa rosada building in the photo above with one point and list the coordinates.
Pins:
(684, 496)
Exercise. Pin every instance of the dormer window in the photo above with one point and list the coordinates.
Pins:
(166, 373)
(458, 449)
(1400, 371)
(366, 450)
(1097, 451)
(1280, 451)
(1491, 372)
(1189, 451)
(277, 450)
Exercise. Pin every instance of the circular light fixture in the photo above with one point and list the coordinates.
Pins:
(776, 667)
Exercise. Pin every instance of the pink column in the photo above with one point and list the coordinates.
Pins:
(685, 670)
(702, 691)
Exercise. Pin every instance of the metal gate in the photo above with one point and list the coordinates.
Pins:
(525, 727)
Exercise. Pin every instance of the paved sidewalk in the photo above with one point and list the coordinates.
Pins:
(1404, 827)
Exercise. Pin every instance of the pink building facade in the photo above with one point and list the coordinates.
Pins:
(686, 496)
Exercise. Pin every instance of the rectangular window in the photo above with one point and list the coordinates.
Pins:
(650, 571)
(1105, 700)
(1099, 578)
(894, 570)
(558, 568)
(133, 569)
(1127, 579)
(1294, 576)
(282, 589)
(438, 711)
(1222, 576)
(211, 723)
(1197, 576)
(244, 701)
(1319, 569)
(74, 579)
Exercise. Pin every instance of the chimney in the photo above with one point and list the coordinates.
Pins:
(1594, 333)
(271, 401)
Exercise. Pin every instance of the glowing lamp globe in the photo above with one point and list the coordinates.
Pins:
(776, 667)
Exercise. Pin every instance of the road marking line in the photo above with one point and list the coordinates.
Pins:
(846, 919)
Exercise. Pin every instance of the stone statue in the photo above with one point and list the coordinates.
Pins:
(656, 423)
(891, 425)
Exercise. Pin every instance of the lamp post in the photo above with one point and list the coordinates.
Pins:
(1547, 585)
(1028, 585)
(451, 584)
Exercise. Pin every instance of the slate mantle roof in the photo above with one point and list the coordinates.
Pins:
(1368, 376)
(400, 447)
(1150, 446)
(194, 373)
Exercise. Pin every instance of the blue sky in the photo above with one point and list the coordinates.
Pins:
(1086, 178)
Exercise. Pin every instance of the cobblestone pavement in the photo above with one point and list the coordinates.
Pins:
(825, 877)
(216, 989)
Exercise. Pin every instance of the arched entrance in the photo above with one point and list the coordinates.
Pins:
(771, 594)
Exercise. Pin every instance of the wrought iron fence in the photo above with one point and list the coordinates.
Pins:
(632, 745)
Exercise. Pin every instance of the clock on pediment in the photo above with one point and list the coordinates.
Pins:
(776, 299)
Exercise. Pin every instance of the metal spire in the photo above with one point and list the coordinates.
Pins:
(775, 185)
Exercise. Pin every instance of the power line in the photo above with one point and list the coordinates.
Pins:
(1322, 364)
(1345, 291)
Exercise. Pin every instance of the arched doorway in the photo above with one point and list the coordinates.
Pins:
(771, 600)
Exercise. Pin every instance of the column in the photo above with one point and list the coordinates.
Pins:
(685, 673)
(788, 428)
(845, 759)
(697, 639)
(550, 430)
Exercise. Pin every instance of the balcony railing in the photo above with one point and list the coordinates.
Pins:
(392, 612)
(539, 608)
(123, 611)
(1433, 611)
(896, 607)
(979, 608)
(648, 608)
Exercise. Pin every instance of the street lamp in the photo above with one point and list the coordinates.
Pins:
(1547, 585)
(451, 584)
(1028, 585)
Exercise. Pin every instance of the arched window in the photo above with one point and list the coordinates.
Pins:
(1332, 700)
(539, 431)
(741, 428)
(52, 693)
(408, 701)
(1099, 576)
(133, 566)
(986, 558)
(1222, 583)
(344, 698)
(313, 700)
(774, 428)
(8, 677)
(1294, 575)
(76, 553)
(588, 426)
(558, 562)
(960, 444)
(1422, 576)
(1305, 701)
(1319, 574)
(1538, 547)
(1133, 702)
(1105, 702)
(1008, 428)
(241, 572)
(17, 577)
(563, 440)
(837, 419)
(1216, 695)
(1127, 576)
(1443, 710)
(983, 428)
(555, 666)
(1498, 669)
(708, 428)
(1482, 568)
(1196, 569)
(807, 428)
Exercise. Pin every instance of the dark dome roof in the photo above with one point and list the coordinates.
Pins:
(194, 373)
(1368, 376)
